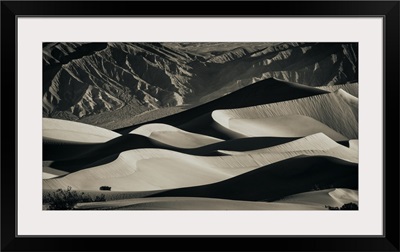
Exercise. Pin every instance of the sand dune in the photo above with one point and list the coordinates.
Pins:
(190, 203)
(278, 180)
(329, 109)
(49, 172)
(57, 130)
(335, 197)
(172, 136)
(155, 169)
(313, 145)
(282, 126)
(46, 175)
(100, 153)
(108, 152)
(318, 141)
(313, 200)
(241, 144)
(141, 170)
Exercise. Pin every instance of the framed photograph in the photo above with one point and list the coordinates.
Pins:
(137, 128)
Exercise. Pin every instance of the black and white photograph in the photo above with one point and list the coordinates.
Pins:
(200, 126)
(140, 124)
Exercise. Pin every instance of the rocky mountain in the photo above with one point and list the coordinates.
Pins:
(81, 80)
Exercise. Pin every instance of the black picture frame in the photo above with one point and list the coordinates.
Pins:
(11, 10)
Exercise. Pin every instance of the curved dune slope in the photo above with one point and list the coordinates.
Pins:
(107, 152)
(314, 200)
(56, 130)
(329, 109)
(282, 126)
(101, 152)
(335, 197)
(318, 141)
(49, 173)
(313, 145)
(278, 180)
(188, 203)
(172, 136)
(155, 169)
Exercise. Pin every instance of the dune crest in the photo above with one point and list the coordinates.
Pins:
(46, 175)
(329, 109)
(282, 126)
(166, 134)
(49, 172)
(57, 130)
(314, 145)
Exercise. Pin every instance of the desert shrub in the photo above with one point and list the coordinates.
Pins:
(105, 188)
(67, 199)
(332, 208)
(348, 206)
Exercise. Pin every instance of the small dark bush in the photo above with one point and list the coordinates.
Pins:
(105, 188)
(348, 206)
(67, 199)
(332, 208)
